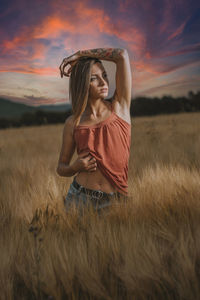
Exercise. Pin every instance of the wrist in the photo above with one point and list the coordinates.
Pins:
(78, 53)
(73, 167)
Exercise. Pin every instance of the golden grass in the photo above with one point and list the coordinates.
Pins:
(147, 248)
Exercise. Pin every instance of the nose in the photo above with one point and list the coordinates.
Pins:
(104, 82)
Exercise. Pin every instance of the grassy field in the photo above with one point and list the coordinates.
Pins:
(147, 248)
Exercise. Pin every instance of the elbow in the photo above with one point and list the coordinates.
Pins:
(124, 52)
(58, 171)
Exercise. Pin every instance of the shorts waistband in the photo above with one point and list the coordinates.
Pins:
(94, 193)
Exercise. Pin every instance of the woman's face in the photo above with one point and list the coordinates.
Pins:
(98, 82)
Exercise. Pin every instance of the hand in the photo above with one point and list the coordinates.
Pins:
(72, 60)
(85, 162)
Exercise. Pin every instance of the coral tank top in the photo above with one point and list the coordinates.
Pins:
(109, 142)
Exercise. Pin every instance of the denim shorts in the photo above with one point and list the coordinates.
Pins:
(81, 200)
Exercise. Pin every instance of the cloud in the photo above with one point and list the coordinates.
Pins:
(26, 69)
(179, 87)
(34, 101)
(160, 36)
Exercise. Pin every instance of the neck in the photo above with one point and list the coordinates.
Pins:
(95, 108)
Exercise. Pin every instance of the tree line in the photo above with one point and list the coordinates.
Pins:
(140, 106)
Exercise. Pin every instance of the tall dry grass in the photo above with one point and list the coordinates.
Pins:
(147, 248)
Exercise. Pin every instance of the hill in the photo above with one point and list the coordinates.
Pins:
(10, 109)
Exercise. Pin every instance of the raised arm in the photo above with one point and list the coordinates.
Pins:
(110, 54)
(123, 77)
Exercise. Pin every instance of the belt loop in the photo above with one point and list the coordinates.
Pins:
(79, 189)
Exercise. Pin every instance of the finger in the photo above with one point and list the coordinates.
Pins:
(64, 62)
(93, 165)
(84, 154)
(63, 65)
(91, 158)
(65, 74)
(61, 73)
(68, 71)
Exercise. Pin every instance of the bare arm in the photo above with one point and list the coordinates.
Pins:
(120, 56)
(123, 79)
(65, 170)
(67, 151)
(110, 54)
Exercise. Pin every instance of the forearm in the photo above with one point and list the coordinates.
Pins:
(66, 170)
(110, 54)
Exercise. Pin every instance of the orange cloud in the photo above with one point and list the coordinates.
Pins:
(29, 70)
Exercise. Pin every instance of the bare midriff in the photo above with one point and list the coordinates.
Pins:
(95, 180)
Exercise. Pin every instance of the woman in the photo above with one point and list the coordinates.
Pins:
(100, 129)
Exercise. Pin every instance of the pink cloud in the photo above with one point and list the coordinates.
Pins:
(185, 50)
(179, 30)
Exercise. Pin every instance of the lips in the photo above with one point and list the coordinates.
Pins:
(104, 90)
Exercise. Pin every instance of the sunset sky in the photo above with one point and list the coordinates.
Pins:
(162, 38)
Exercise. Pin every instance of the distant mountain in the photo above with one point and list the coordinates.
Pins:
(10, 109)
(56, 108)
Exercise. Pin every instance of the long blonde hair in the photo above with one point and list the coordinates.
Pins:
(79, 84)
